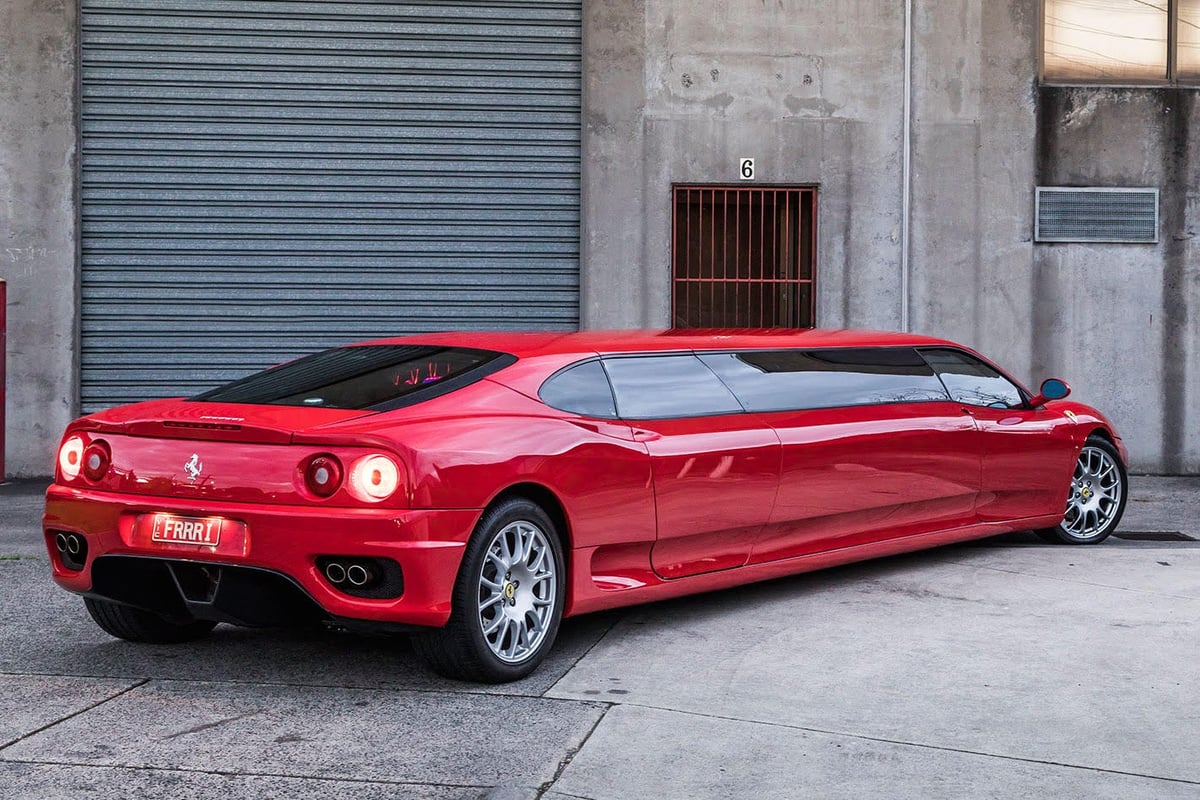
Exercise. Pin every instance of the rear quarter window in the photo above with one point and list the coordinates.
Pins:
(581, 389)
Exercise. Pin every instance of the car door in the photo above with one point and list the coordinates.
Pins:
(1028, 455)
(872, 447)
(715, 468)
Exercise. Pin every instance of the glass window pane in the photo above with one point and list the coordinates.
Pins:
(973, 382)
(1188, 58)
(666, 387)
(793, 380)
(581, 390)
(1118, 40)
(357, 377)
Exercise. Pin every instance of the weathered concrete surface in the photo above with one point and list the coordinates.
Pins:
(1124, 320)
(55, 782)
(715, 756)
(676, 93)
(38, 231)
(428, 738)
(1007, 669)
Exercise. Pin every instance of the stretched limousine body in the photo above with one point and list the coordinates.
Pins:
(476, 488)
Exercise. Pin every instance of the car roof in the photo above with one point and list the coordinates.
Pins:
(528, 344)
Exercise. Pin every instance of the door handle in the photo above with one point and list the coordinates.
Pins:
(640, 435)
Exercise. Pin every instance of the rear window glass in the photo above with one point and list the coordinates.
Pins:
(375, 377)
(582, 389)
(665, 387)
(792, 380)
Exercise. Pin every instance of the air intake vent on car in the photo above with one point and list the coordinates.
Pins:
(1077, 214)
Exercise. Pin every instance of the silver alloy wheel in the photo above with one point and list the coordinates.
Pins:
(1096, 492)
(517, 591)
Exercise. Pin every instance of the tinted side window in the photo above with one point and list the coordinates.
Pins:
(582, 389)
(662, 387)
(973, 382)
(789, 380)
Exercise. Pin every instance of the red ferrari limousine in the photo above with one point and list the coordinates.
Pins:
(474, 489)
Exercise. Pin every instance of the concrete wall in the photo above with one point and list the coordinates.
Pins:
(38, 229)
(1123, 321)
(676, 92)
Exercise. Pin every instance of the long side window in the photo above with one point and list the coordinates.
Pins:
(972, 382)
(793, 380)
(667, 387)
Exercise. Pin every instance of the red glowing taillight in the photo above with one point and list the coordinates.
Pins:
(374, 478)
(97, 458)
(70, 458)
(323, 475)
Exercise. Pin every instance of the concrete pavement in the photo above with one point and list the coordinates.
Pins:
(1007, 668)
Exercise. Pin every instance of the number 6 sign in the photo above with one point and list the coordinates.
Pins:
(746, 169)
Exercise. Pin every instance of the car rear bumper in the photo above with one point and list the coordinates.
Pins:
(263, 547)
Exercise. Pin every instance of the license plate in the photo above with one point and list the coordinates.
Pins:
(203, 531)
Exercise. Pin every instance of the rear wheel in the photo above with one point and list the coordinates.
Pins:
(507, 602)
(1096, 501)
(136, 625)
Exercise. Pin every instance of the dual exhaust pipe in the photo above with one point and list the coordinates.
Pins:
(68, 543)
(72, 549)
(353, 573)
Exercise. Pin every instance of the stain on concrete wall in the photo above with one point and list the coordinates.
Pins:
(1117, 319)
(38, 232)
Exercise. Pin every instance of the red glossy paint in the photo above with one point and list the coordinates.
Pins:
(649, 508)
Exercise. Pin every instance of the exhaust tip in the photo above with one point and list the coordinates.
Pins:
(335, 572)
(357, 575)
(74, 545)
(60, 542)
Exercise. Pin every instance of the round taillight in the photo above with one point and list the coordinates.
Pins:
(323, 475)
(96, 460)
(70, 458)
(374, 478)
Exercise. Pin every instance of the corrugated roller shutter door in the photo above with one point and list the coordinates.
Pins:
(262, 179)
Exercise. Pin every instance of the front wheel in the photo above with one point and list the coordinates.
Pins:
(1096, 501)
(508, 599)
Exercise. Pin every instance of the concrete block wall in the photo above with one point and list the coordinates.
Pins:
(38, 228)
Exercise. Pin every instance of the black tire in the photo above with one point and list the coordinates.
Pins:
(462, 650)
(1108, 510)
(136, 625)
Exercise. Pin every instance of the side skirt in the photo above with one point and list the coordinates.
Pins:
(596, 592)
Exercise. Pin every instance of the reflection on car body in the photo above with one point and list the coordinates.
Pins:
(474, 489)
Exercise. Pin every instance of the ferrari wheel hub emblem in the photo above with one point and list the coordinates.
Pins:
(193, 467)
(510, 590)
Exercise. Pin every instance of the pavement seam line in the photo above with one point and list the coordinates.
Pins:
(572, 752)
(229, 774)
(582, 656)
(71, 716)
(922, 745)
(1077, 581)
(295, 685)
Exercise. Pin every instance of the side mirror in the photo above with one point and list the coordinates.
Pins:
(1052, 389)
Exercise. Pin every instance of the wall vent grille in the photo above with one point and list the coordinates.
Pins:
(1079, 214)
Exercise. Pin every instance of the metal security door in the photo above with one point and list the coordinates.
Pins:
(262, 179)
